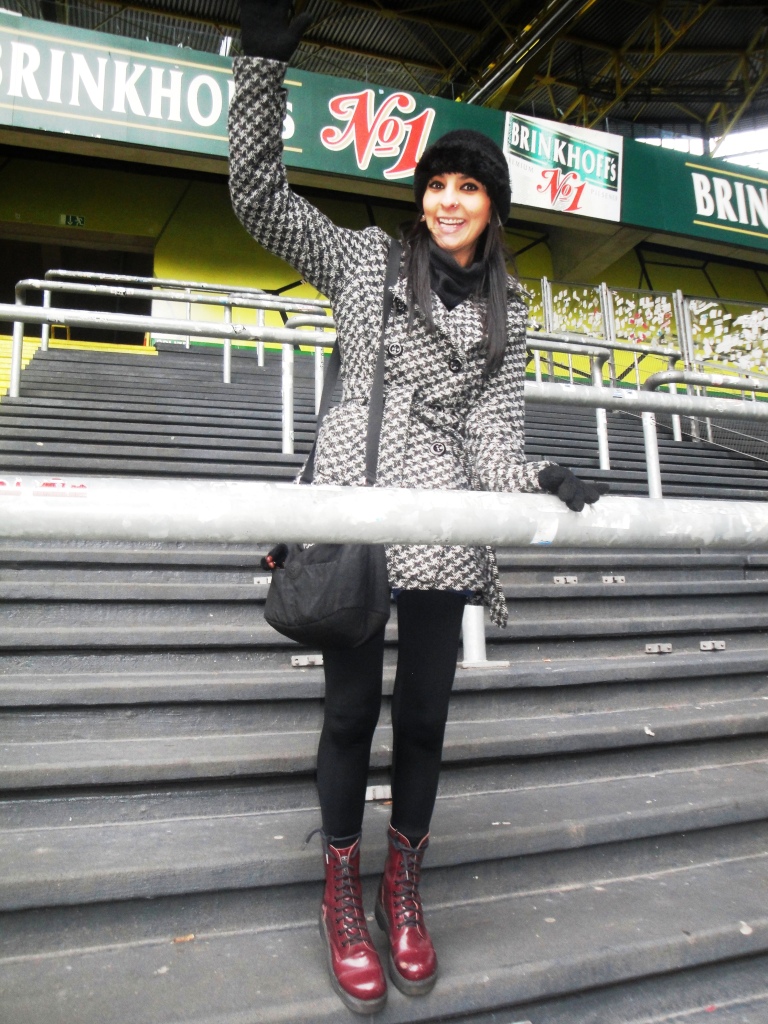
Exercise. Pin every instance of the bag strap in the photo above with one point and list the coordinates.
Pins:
(376, 400)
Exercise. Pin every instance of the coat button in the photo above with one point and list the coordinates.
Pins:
(395, 349)
(438, 448)
(455, 366)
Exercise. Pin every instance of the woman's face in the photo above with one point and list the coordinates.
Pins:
(457, 210)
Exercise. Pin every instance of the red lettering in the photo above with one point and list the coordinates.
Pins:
(563, 188)
(379, 132)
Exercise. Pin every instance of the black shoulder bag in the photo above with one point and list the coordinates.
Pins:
(337, 595)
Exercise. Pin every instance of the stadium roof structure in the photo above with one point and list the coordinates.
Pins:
(635, 67)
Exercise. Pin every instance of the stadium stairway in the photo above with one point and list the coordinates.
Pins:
(600, 843)
(111, 413)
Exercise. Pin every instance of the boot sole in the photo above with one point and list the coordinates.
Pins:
(408, 988)
(361, 1006)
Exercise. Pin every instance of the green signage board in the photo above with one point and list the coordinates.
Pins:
(90, 85)
(59, 79)
(690, 195)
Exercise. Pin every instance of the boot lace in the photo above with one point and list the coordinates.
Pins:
(406, 898)
(348, 905)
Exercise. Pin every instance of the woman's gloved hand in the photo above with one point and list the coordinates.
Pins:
(269, 29)
(569, 488)
(275, 559)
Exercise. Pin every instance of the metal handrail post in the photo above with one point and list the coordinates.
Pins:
(227, 349)
(608, 314)
(45, 332)
(473, 640)
(690, 362)
(677, 433)
(287, 396)
(319, 377)
(601, 416)
(189, 314)
(17, 349)
(652, 464)
(260, 321)
(537, 364)
(548, 309)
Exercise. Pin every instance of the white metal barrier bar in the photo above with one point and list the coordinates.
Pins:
(629, 399)
(165, 282)
(132, 322)
(138, 509)
(224, 297)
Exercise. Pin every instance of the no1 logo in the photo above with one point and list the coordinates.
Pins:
(379, 133)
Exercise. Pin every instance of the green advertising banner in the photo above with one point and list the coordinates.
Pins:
(59, 79)
(693, 195)
(95, 86)
(70, 81)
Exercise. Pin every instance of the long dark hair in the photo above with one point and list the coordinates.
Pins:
(492, 249)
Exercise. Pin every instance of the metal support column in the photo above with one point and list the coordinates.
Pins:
(473, 640)
(45, 332)
(17, 348)
(260, 321)
(319, 377)
(227, 348)
(652, 464)
(287, 393)
(601, 416)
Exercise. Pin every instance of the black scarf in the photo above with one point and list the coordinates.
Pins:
(452, 283)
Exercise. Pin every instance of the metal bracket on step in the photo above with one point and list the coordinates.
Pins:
(565, 580)
(658, 648)
(712, 645)
(375, 793)
(306, 660)
(614, 579)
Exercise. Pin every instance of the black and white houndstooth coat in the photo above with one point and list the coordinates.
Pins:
(446, 424)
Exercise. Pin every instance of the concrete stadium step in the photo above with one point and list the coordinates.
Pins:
(734, 992)
(206, 449)
(99, 845)
(85, 677)
(106, 579)
(508, 932)
(94, 745)
(83, 465)
(45, 624)
(57, 411)
(141, 676)
(188, 384)
(20, 427)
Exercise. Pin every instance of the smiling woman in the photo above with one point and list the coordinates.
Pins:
(457, 210)
(452, 348)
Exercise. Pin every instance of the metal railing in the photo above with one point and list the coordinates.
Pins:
(598, 352)
(225, 511)
(595, 396)
(228, 511)
(229, 299)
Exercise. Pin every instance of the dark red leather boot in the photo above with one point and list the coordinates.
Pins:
(356, 971)
(412, 957)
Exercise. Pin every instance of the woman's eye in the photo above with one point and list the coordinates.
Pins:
(435, 184)
(469, 186)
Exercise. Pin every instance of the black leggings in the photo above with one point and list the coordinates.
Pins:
(429, 624)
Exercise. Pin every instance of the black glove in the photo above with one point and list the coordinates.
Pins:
(569, 488)
(268, 29)
(275, 559)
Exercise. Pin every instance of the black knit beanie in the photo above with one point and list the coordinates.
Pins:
(465, 151)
